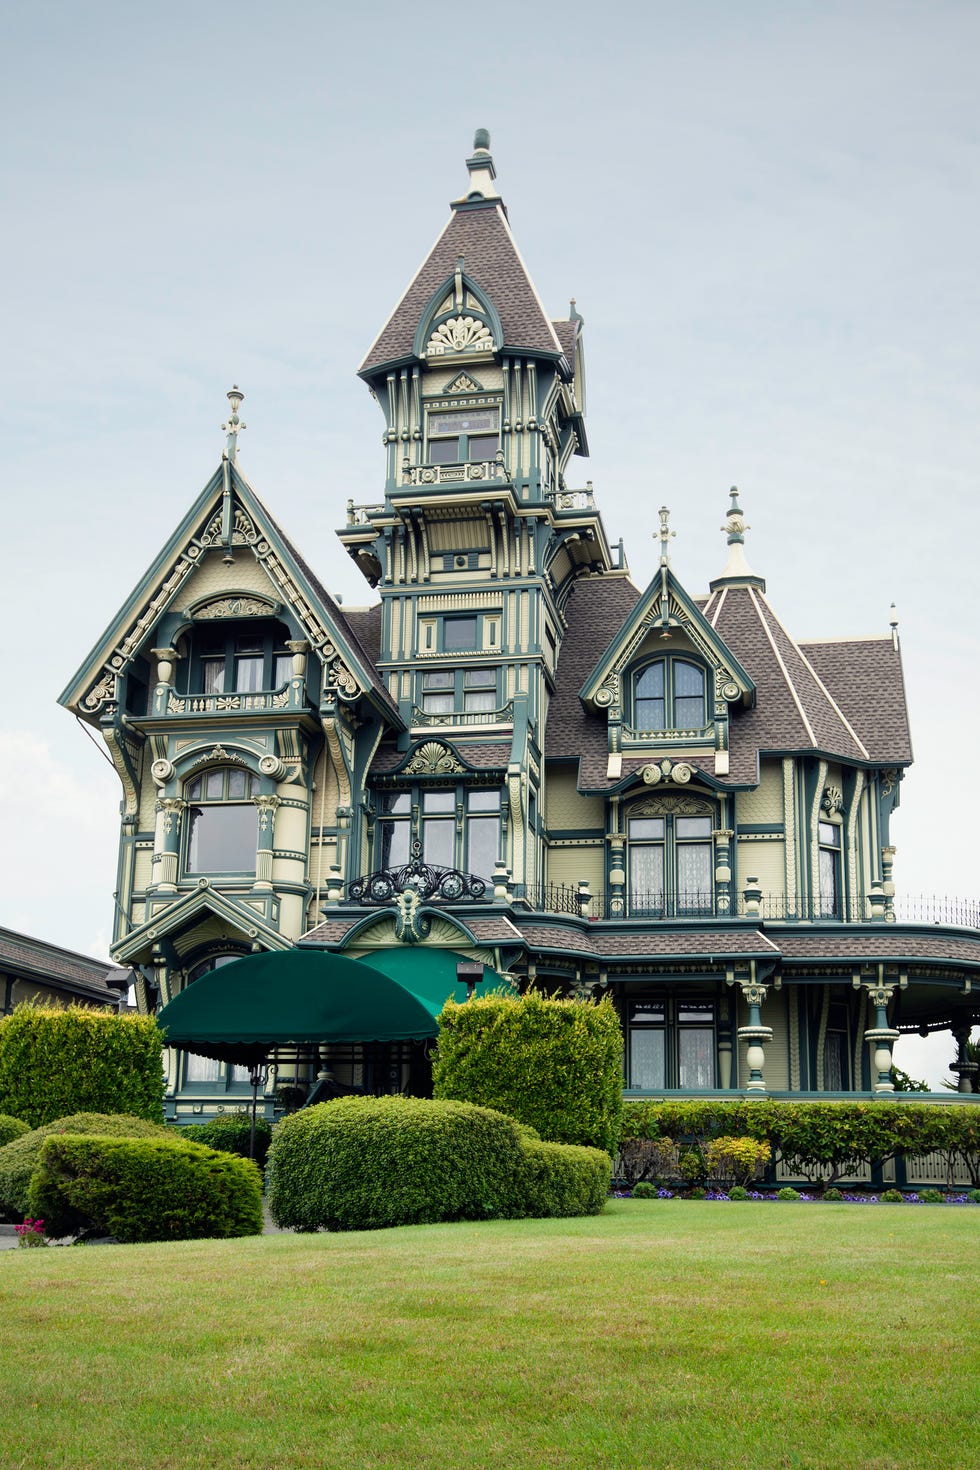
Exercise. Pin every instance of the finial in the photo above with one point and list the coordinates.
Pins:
(893, 624)
(664, 534)
(738, 570)
(481, 170)
(234, 424)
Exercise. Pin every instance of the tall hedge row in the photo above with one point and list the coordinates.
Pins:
(553, 1064)
(54, 1062)
(815, 1138)
(19, 1158)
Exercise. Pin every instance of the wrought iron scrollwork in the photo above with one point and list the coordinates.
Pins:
(424, 879)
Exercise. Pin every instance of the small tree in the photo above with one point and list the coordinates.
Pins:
(55, 1062)
(553, 1064)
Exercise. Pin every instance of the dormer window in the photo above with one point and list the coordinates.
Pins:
(669, 694)
(465, 436)
(239, 659)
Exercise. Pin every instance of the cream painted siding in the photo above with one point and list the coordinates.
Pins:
(764, 861)
(765, 803)
(566, 808)
(212, 576)
(776, 1067)
(143, 869)
(574, 865)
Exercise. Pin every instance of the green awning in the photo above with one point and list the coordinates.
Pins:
(241, 1010)
(430, 974)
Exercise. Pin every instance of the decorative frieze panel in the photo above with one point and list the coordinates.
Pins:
(460, 334)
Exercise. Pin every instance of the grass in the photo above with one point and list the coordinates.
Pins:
(659, 1334)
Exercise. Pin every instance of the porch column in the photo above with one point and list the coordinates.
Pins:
(881, 1037)
(963, 1067)
(755, 1033)
(166, 659)
(266, 842)
(166, 843)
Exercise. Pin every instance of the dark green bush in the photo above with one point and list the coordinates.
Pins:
(19, 1159)
(738, 1192)
(788, 1195)
(55, 1062)
(644, 1190)
(230, 1133)
(11, 1128)
(892, 1197)
(142, 1189)
(832, 1195)
(555, 1064)
(564, 1179)
(973, 1196)
(363, 1163)
(931, 1196)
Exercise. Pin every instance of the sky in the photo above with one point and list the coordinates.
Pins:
(767, 214)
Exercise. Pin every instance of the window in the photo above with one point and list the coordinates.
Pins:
(456, 827)
(464, 633)
(222, 821)
(217, 1076)
(671, 1044)
(836, 1054)
(829, 902)
(474, 691)
(670, 865)
(239, 660)
(669, 695)
(455, 438)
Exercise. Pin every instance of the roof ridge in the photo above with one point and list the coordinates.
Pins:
(821, 685)
(779, 659)
(534, 290)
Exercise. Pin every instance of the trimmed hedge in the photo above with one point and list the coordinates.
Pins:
(830, 1140)
(19, 1159)
(554, 1064)
(54, 1062)
(364, 1163)
(143, 1189)
(11, 1128)
(564, 1179)
(230, 1134)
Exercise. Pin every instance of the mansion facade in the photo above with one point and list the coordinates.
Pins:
(514, 753)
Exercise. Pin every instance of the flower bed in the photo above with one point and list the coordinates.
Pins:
(804, 1197)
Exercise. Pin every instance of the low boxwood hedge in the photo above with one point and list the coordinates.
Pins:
(362, 1163)
(20, 1158)
(564, 1178)
(11, 1128)
(143, 1189)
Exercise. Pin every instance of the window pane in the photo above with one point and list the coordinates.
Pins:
(694, 877)
(236, 784)
(650, 684)
(646, 827)
(438, 842)
(833, 1062)
(688, 680)
(458, 633)
(482, 837)
(481, 446)
(195, 788)
(829, 884)
(249, 643)
(238, 1075)
(222, 839)
(439, 801)
(647, 1057)
(688, 713)
(215, 786)
(203, 1069)
(396, 803)
(696, 1057)
(483, 801)
(438, 679)
(693, 826)
(651, 714)
(480, 679)
(438, 704)
(646, 879)
(212, 676)
(392, 844)
(829, 834)
(476, 700)
(283, 670)
(248, 674)
(470, 421)
(444, 451)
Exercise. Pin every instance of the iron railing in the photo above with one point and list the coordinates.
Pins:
(558, 898)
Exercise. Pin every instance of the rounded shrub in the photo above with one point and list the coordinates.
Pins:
(736, 1160)
(143, 1189)
(973, 1195)
(11, 1128)
(892, 1197)
(788, 1194)
(19, 1159)
(231, 1133)
(564, 1179)
(833, 1195)
(644, 1190)
(364, 1163)
(738, 1192)
(931, 1196)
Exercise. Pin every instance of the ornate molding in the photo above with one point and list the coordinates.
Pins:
(249, 606)
(679, 772)
(460, 334)
(434, 759)
(243, 532)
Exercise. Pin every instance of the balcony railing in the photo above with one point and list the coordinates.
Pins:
(169, 703)
(502, 716)
(777, 908)
(454, 474)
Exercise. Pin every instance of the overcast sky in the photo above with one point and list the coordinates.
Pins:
(767, 212)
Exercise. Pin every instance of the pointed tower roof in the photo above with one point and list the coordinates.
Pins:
(479, 235)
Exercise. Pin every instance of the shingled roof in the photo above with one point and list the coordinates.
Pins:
(492, 261)
(59, 969)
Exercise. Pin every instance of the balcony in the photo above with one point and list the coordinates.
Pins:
(168, 704)
(461, 718)
(776, 908)
(455, 474)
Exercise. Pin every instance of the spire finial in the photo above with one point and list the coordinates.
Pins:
(893, 624)
(664, 534)
(481, 169)
(738, 569)
(234, 425)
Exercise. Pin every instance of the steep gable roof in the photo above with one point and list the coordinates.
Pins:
(160, 590)
(865, 677)
(480, 234)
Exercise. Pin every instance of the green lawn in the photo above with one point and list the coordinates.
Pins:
(658, 1334)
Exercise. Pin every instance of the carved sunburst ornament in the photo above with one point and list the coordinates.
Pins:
(460, 334)
(434, 759)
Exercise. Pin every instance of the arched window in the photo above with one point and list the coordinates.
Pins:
(222, 821)
(670, 858)
(669, 694)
